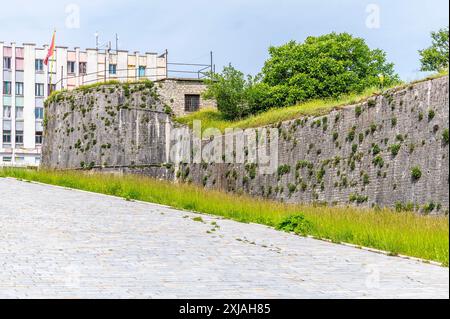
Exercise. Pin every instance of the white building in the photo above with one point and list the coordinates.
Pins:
(25, 85)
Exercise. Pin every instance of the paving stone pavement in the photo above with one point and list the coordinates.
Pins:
(58, 243)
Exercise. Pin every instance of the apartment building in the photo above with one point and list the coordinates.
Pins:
(25, 84)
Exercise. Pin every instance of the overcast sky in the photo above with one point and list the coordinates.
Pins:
(237, 31)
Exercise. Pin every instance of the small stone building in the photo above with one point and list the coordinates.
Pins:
(184, 95)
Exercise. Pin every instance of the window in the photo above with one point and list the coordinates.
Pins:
(19, 112)
(83, 67)
(39, 138)
(39, 113)
(7, 63)
(39, 89)
(71, 67)
(141, 71)
(191, 102)
(39, 65)
(19, 137)
(113, 69)
(19, 88)
(7, 136)
(6, 112)
(7, 88)
(7, 159)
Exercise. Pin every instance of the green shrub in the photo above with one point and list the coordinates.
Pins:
(292, 188)
(297, 224)
(283, 170)
(416, 173)
(351, 134)
(361, 138)
(372, 103)
(335, 136)
(445, 136)
(359, 199)
(366, 179)
(401, 207)
(420, 116)
(378, 161)
(400, 138)
(395, 148)
(358, 111)
(428, 208)
(394, 122)
(431, 115)
(376, 150)
(320, 174)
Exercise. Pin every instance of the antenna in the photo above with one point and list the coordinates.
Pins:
(117, 42)
(96, 40)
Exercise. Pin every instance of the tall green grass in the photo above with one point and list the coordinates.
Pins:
(400, 233)
(211, 117)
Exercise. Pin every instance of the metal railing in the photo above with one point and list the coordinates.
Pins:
(178, 70)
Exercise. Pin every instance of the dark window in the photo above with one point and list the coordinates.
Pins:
(39, 89)
(39, 65)
(7, 88)
(7, 63)
(141, 71)
(39, 113)
(19, 88)
(71, 67)
(39, 138)
(19, 137)
(83, 67)
(112, 69)
(191, 102)
(6, 136)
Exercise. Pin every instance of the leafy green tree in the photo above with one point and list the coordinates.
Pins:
(229, 90)
(327, 66)
(435, 58)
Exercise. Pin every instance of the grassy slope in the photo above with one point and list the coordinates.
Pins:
(212, 118)
(403, 233)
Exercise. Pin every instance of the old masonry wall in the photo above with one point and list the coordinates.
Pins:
(369, 154)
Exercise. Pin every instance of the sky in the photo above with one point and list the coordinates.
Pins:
(238, 32)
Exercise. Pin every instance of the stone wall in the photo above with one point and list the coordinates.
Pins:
(106, 126)
(173, 92)
(363, 154)
(370, 154)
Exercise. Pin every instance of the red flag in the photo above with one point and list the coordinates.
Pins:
(51, 50)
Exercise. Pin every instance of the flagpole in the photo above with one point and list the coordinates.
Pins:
(51, 65)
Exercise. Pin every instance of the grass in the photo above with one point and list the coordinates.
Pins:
(211, 118)
(396, 232)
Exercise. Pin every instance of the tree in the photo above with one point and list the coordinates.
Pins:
(233, 93)
(326, 66)
(435, 58)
